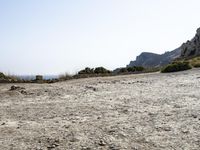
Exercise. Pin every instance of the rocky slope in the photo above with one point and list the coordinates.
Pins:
(187, 50)
(147, 59)
(191, 48)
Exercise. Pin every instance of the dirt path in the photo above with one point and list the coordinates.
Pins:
(138, 112)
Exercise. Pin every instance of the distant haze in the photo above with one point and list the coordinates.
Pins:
(58, 36)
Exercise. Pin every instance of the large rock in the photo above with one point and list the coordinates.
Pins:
(191, 48)
(147, 59)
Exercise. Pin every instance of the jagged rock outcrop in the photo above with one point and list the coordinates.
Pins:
(187, 50)
(191, 48)
(147, 59)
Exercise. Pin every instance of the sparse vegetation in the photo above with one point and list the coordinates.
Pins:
(131, 69)
(123, 70)
(176, 66)
(101, 70)
(9, 78)
(98, 70)
(195, 62)
(87, 70)
(2, 75)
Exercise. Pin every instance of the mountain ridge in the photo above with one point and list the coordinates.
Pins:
(149, 59)
(187, 50)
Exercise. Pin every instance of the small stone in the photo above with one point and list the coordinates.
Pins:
(185, 131)
(14, 87)
(167, 128)
(194, 116)
(23, 92)
(102, 143)
(98, 117)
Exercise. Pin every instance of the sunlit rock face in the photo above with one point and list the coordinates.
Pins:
(191, 48)
(147, 59)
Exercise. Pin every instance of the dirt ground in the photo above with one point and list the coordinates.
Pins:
(135, 112)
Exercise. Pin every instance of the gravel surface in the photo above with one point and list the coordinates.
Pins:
(135, 112)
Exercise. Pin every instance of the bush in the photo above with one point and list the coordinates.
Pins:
(2, 75)
(87, 70)
(196, 65)
(176, 66)
(139, 68)
(195, 62)
(101, 70)
(123, 70)
(131, 69)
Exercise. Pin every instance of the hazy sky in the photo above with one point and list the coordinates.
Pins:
(57, 36)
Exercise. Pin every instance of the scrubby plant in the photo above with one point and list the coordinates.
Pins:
(2, 75)
(87, 70)
(195, 62)
(101, 70)
(139, 68)
(123, 70)
(176, 66)
(9, 78)
(196, 65)
(131, 69)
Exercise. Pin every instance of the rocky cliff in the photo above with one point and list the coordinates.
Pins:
(147, 59)
(187, 50)
(191, 48)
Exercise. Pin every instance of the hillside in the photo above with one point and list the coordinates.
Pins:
(187, 50)
(147, 59)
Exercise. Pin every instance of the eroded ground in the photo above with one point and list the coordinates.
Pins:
(138, 112)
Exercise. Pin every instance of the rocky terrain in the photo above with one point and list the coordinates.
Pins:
(191, 48)
(187, 50)
(137, 112)
(147, 59)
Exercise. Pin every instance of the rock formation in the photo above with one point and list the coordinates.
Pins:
(187, 50)
(147, 59)
(191, 48)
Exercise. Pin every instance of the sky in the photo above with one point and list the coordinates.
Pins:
(52, 37)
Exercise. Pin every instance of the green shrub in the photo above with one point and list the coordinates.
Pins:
(87, 70)
(123, 70)
(101, 70)
(139, 68)
(135, 68)
(131, 69)
(176, 66)
(196, 65)
(195, 62)
(2, 75)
